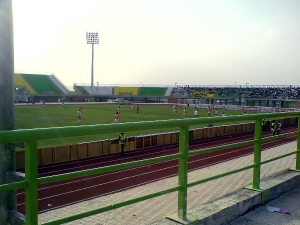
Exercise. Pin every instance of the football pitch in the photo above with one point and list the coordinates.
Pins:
(53, 115)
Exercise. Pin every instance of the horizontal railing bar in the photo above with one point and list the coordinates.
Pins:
(280, 135)
(278, 157)
(14, 185)
(219, 148)
(61, 132)
(111, 207)
(72, 175)
(219, 175)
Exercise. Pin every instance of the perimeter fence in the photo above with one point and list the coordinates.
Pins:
(31, 181)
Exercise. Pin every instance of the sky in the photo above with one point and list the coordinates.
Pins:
(160, 42)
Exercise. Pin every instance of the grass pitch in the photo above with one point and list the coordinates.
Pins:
(36, 116)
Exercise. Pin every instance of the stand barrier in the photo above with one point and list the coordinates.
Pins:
(31, 181)
(52, 155)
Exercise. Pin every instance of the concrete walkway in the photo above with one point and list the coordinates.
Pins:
(155, 210)
(261, 215)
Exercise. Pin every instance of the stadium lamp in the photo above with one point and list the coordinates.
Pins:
(92, 38)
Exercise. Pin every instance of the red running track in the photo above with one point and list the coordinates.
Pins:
(59, 194)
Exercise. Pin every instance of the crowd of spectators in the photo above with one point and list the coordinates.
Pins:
(286, 92)
(188, 91)
(275, 92)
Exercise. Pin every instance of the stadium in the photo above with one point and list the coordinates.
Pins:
(83, 156)
(147, 154)
(37, 88)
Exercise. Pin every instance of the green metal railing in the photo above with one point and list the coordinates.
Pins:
(31, 180)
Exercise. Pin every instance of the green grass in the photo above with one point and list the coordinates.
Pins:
(35, 116)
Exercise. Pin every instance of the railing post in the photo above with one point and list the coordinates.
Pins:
(257, 153)
(298, 147)
(181, 215)
(183, 168)
(31, 175)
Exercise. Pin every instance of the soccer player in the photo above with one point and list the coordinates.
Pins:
(216, 112)
(209, 111)
(184, 113)
(117, 117)
(132, 106)
(79, 115)
(196, 113)
(175, 109)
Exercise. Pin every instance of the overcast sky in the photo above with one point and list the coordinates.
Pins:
(160, 42)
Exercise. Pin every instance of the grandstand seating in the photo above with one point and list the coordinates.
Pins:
(126, 91)
(106, 91)
(209, 95)
(203, 92)
(80, 90)
(152, 91)
(275, 92)
(42, 84)
(59, 84)
(37, 84)
(89, 90)
(225, 94)
(169, 91)
(20, 82)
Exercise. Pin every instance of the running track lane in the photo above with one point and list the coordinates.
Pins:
(59, 194)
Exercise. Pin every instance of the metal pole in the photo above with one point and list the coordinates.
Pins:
(31, 165)
(92, 69)
(7, 113)
(183, 168)
(181, 215)
(257, 153)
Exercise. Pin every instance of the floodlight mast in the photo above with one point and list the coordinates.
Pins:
(92, 38)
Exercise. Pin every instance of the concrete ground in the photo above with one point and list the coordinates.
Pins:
(261, 215)
(202, 199)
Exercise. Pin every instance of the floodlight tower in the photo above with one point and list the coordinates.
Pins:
(92, 38)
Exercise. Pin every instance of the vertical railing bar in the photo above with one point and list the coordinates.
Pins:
(31, 175)
(182, 171)
(257, 153)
